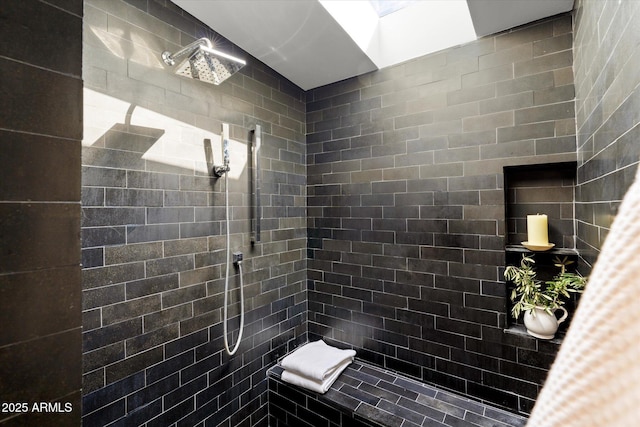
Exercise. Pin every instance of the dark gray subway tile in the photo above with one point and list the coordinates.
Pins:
(550, 146)
(471, 329)
(417, 198)
(101, 236)
(126, 137)
(421, 158)
(427, 144)
(356, 153)
(472, 94)
(544, 113)
(93, 257)
(107, 177)
(152, 180)
(463, 197)
(525, 132)
(525, 84)
(130, 309)
(152, 339)
(553, 95)
(454, 155)
(132, 365)
(94, 216)
(508, 55)
(481, 182)
(127, 253)
(150, 286)
(470, 51)
(102, 158)
(101, 276)
(150, 233)
(111, 334)
(403, 212)
(132, 197)
(487, 76)
(389, 150)
(511, 149)
(412, 120)
(525, 34)
(179, 296)
(489, 121)
(169, 265)
(544, 63)
(170, 215)
(522, 99)
(184, 246)
(93, 196)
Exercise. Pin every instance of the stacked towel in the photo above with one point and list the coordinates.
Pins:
(316, 365)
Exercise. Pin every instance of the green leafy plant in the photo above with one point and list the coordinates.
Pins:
(528, 292)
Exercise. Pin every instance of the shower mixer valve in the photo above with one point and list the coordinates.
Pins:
(237, 257)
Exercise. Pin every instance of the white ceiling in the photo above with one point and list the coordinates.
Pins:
(303, 41)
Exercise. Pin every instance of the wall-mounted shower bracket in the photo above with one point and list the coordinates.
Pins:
(219, 171)
(167, 57)
(256, 212)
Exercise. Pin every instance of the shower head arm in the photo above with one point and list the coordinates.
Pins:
(170, 59)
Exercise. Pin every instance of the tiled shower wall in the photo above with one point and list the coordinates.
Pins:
(406, 207)
(153, 229)
(607, 58)
(40, 287)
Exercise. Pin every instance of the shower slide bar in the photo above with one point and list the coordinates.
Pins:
(255, 184)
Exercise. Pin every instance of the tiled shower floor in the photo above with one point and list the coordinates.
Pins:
(389, 399)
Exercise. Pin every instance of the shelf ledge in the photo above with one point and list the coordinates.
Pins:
(554, 251)
(520, 330)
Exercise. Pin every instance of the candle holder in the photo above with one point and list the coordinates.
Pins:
(537, 247)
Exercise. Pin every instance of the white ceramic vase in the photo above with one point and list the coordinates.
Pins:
(542, 324)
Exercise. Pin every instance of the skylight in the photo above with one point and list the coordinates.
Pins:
(393, 31)
(385, 7)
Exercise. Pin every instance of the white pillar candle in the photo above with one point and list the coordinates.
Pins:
(537, 230)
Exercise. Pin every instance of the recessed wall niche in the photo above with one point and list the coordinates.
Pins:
(545, 189)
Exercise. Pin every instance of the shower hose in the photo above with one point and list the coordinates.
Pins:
(226, 282)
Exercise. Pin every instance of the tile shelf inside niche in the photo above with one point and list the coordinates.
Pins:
(521, 331)
(553, 251)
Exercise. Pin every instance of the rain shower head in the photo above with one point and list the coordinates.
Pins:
(203, 62)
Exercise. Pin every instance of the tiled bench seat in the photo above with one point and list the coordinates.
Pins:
(366, 395)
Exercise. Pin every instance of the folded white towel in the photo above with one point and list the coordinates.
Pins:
(314, 385)
(316, 360)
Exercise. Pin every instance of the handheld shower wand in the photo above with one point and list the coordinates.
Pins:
(219, 171)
